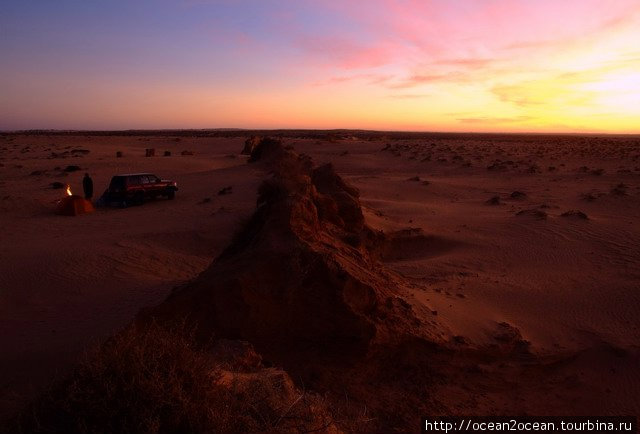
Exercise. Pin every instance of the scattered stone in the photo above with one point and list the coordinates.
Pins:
(150, 152)
(72, 168)
(415, 178)
(119, 154)
(518, 195)
(167, 154)
(186, 153)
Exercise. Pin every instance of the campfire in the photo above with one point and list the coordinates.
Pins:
(72, 204)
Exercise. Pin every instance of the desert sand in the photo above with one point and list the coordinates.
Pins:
(516, 256)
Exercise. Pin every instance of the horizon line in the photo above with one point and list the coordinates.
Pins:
(320, 130)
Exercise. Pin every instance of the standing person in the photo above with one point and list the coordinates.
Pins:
(87, 186)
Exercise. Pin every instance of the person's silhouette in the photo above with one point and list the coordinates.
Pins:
(87, 186)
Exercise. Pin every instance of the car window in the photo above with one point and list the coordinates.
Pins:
(134, 180)
(117, 182)
(144, 179)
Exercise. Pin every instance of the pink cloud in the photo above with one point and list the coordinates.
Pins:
(342, 52)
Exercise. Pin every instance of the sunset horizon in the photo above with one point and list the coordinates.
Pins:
(463, 66)
(328, 216)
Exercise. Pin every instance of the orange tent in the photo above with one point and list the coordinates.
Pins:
(74, 205)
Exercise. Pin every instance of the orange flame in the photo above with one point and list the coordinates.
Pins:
(68, 190)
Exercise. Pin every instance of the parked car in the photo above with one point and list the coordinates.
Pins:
(135, 188)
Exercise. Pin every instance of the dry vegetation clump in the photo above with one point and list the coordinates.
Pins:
(154, 380)
(518, 195)
(534, 213)
(619, 189)
(494, 200)
(575, 214)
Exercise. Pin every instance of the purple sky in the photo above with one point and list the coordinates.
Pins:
(483, 65)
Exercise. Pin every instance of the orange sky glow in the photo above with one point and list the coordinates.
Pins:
(420, 65)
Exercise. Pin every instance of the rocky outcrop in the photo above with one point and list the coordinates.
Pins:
(303, 270)
(303, 283)
(250, 144)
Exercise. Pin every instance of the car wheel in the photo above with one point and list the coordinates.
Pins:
(123, 204)
(139, 198)
(171, 194)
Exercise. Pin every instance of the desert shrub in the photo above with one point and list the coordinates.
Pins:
(153, 380)
(142, 380)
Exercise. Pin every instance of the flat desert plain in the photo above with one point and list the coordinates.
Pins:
(533, 236)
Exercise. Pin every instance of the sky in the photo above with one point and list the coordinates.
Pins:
(418, 65)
